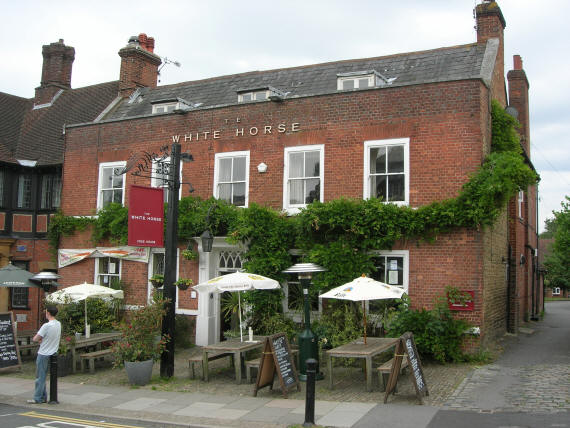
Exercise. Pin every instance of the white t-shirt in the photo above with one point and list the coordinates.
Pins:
(50, 333)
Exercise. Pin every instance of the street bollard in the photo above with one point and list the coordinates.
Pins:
(53, 379)
(310, 397)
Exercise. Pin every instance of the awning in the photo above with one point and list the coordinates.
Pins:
(66, 257)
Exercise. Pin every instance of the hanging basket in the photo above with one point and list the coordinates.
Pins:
(183, 283)
(156, 283)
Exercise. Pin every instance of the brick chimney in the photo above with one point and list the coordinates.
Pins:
(518, 98)
(139, 65)
(490, 24)
(56, 71)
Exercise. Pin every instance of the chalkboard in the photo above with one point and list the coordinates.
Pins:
(406, 347)
(9, 352)
(276, 359)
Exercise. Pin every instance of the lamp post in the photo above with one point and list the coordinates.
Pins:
(308, 342)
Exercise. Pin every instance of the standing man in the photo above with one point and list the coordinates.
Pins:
(48, 337)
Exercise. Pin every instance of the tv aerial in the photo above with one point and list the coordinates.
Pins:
(166, 61)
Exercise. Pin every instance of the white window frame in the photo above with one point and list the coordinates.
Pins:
(520, 203)
(556, 291)
(383, 143)
(151, 272)
(102, 166)
(99, 274)
(405, 254)
(162, 108)
(295, 208)
(225, 155)
(254, 96)
(356, 79)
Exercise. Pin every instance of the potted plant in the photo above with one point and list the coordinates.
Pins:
(190, 254)
(184, 283)
(141, 342)
(157, 280)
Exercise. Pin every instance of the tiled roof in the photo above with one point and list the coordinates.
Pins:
(453, 63)
(37, 134)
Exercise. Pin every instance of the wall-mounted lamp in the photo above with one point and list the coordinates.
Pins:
(206, 236)
(261, 168)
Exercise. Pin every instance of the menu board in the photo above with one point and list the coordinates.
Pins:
(276, 359)
(9, 353)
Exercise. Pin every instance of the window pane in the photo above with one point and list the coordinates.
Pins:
(117, 178)
(296, 164)
(363, 83)
(239, 169)
(396, 187)
(348, 84)
(313, 190)
(261, 95)
(312, 164)
(158, 263)
(379, 189)
(239, 194)
(224, 192)
(296, 192)
(377, 160)
(19, 297)
(225, 172)
(395, 270)
(118, 196)
(107, 195)
(396, 159)
(56, 192)
(107, 181)
(246, 97)
(24, 191)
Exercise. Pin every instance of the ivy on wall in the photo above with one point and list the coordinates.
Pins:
(341, 233)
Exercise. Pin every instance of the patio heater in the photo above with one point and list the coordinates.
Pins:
(47, 280)
(308, 342)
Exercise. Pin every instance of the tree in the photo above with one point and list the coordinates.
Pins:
(558, 261)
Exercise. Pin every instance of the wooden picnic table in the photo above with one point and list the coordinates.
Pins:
(232, 346)
(357, 349)
(95, 340)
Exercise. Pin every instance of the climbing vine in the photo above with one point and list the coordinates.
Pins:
(341, 233)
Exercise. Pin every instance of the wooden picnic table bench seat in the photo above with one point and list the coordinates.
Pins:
(199, 359)
(385, 368)
(91, 356)
(254, 364)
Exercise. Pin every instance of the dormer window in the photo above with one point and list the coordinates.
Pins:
(260, 94)
(173, 105)
(361, 80)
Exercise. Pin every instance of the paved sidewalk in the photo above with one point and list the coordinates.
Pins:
(532, 374)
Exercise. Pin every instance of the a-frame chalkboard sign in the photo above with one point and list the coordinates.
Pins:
(406, 347)
(9, 352)
(276, 359)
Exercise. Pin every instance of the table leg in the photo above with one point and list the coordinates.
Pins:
(237, 364)
(205, 365)
(330, 369)
(369, 374)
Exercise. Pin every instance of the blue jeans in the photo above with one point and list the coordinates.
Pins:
(42, 366)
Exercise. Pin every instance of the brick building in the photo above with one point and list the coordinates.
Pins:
(409, 128)
(31, 159)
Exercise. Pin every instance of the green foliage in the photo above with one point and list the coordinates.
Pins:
(268, 323)
(61, 225)
(112, 224)
(101, 316)
(558, 260)
(340, 323)
(437, 334)
(141, 337)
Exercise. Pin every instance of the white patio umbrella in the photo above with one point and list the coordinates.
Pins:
(237, 281)
(77, 293)
(363, 289)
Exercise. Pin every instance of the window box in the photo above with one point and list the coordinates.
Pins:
(463, 301)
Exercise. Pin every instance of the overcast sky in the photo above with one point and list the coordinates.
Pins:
(216, 37)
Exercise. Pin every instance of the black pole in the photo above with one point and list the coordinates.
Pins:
(53, 379)
(310, 395)
(170, 246)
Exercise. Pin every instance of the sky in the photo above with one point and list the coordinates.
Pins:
(220, 37)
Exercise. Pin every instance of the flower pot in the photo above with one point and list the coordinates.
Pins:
(139, 372)
(64, 363)
(183, 286)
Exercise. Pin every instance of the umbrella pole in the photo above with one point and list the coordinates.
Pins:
(239, 307)
(85, 317)
(364, 310)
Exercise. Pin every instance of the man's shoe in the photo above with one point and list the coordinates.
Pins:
(34, 402)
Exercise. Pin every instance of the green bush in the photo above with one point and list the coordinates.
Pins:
(268, 324)
(340, 323)
(437, 334)
(101, 315)
(184, 331)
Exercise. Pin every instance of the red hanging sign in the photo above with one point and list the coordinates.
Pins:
(146, 216)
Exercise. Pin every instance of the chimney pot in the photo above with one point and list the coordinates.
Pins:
(518, 63)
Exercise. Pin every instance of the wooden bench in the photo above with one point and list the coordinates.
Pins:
(198, 359)
(385, 369)
(90, 358)
(254, 364)
(29, 347)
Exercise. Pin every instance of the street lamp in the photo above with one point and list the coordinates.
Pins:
(308, 342)
(206, 236)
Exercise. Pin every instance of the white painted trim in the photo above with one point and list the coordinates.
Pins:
(102, 165)
(321, 148)
(382, 143)
(223, 155)
(406, 267)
